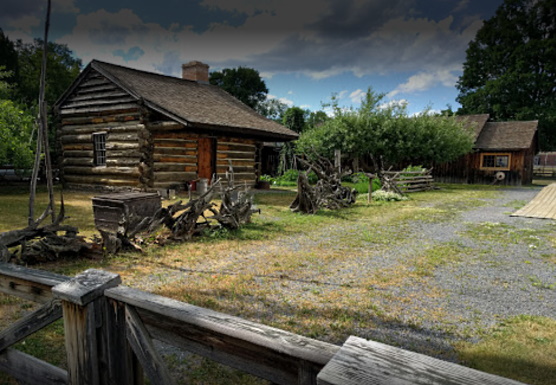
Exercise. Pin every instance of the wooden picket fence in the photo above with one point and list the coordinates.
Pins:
(109, 331)
(412, 181)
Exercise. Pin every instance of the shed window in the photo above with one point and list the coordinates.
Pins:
(99, 148)
(495, 161)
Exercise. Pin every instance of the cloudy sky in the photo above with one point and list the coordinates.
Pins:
(306, 50)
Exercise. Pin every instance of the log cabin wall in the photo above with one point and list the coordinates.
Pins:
(99, 106)
(174, 155)
(242, 154)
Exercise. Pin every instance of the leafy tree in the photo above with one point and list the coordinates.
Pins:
(510, 70)
(243, 83)
(16, 127)
(294, 118)
(8, 59)
(316, 118)
(389, 135)
(273, 109)
(61, 71)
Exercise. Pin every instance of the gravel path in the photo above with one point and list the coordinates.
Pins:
(429, 313)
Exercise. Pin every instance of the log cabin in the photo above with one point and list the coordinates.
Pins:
(503, 153)
(122, 128)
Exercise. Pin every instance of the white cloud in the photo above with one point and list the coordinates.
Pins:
(357, 96)
(285, 101)
(342, 94)
(423, 81)
(394, 103)
(64, 6)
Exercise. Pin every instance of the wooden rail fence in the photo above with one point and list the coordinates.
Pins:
(412, 181)
(109, 331)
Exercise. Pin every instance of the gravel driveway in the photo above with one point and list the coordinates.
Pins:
(510, 274)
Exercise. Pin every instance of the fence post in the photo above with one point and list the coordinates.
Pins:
(96, 346)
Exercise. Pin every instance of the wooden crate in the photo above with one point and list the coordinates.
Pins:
(118, 213)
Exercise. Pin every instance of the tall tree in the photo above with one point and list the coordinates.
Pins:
(62, 70)
(243, 83)
(8, 58)
(389, 135)
(510, 70)
(295, 119)
(273, 109)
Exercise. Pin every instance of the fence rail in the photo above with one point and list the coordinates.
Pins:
(412, 181)
(109, 331)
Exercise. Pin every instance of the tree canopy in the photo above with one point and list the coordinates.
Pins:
(387, 134)
(61, 71)
(16, 126)
(243, 83)
(510, 70)
(295, 119)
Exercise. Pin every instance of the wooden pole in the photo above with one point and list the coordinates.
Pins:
(96, 345)
(42, 137)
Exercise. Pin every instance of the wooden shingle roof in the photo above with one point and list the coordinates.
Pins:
(516, 135)
(195, 104)
(476, 122)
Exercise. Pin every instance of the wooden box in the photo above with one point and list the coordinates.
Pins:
(120, 212)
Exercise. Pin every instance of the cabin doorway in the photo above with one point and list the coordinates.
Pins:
(206, 158)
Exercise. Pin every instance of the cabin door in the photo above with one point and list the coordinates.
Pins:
(206, 157)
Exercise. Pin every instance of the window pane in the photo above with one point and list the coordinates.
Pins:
(99, 145)
(502, 161)
(488, 161)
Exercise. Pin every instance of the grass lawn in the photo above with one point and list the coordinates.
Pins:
(284, 270)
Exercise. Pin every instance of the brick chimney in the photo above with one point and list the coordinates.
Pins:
(196, 71)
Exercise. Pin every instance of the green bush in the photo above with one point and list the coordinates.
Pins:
(361, 182)
(289, 178)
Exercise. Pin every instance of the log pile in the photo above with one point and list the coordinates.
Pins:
(328, 191)
(182, 222)
(43, 243)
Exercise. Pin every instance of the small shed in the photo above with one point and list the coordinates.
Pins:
(125, 128)
(504, 153)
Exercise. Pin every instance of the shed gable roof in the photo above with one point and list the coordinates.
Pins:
(191, 103)
(515, 135)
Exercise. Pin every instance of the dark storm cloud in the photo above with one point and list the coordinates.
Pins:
(353, 19)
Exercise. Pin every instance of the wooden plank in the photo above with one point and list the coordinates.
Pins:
(111, 118)
(174, 176)
(191, 159)
(106, 110)
(144, 348)
(165, 151)
(86, 286)
(122, 364)
(30, 370)
(258, 349)
(78, 154)
(235, 155)
(105, 93)
(99, 180)
(31, 323)
(368, 362)
(115, 171)
(165, 125)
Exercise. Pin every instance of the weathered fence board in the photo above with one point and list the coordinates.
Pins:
(261, 350)
(33, 322)
(143, 347)
(30, 370)
(31, 284)
(368, 362)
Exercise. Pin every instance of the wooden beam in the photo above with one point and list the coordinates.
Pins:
(368, 362)
(30, 370)
(31, 323)
(30, 284)
(144, 349)
(263, 351)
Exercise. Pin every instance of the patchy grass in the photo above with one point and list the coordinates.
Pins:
(327, 288)
(522, 348)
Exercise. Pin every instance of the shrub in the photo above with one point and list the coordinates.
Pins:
(361, 182)
(289, 178)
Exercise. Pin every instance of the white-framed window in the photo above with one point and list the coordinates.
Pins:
(493, 161)
(99, 148)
